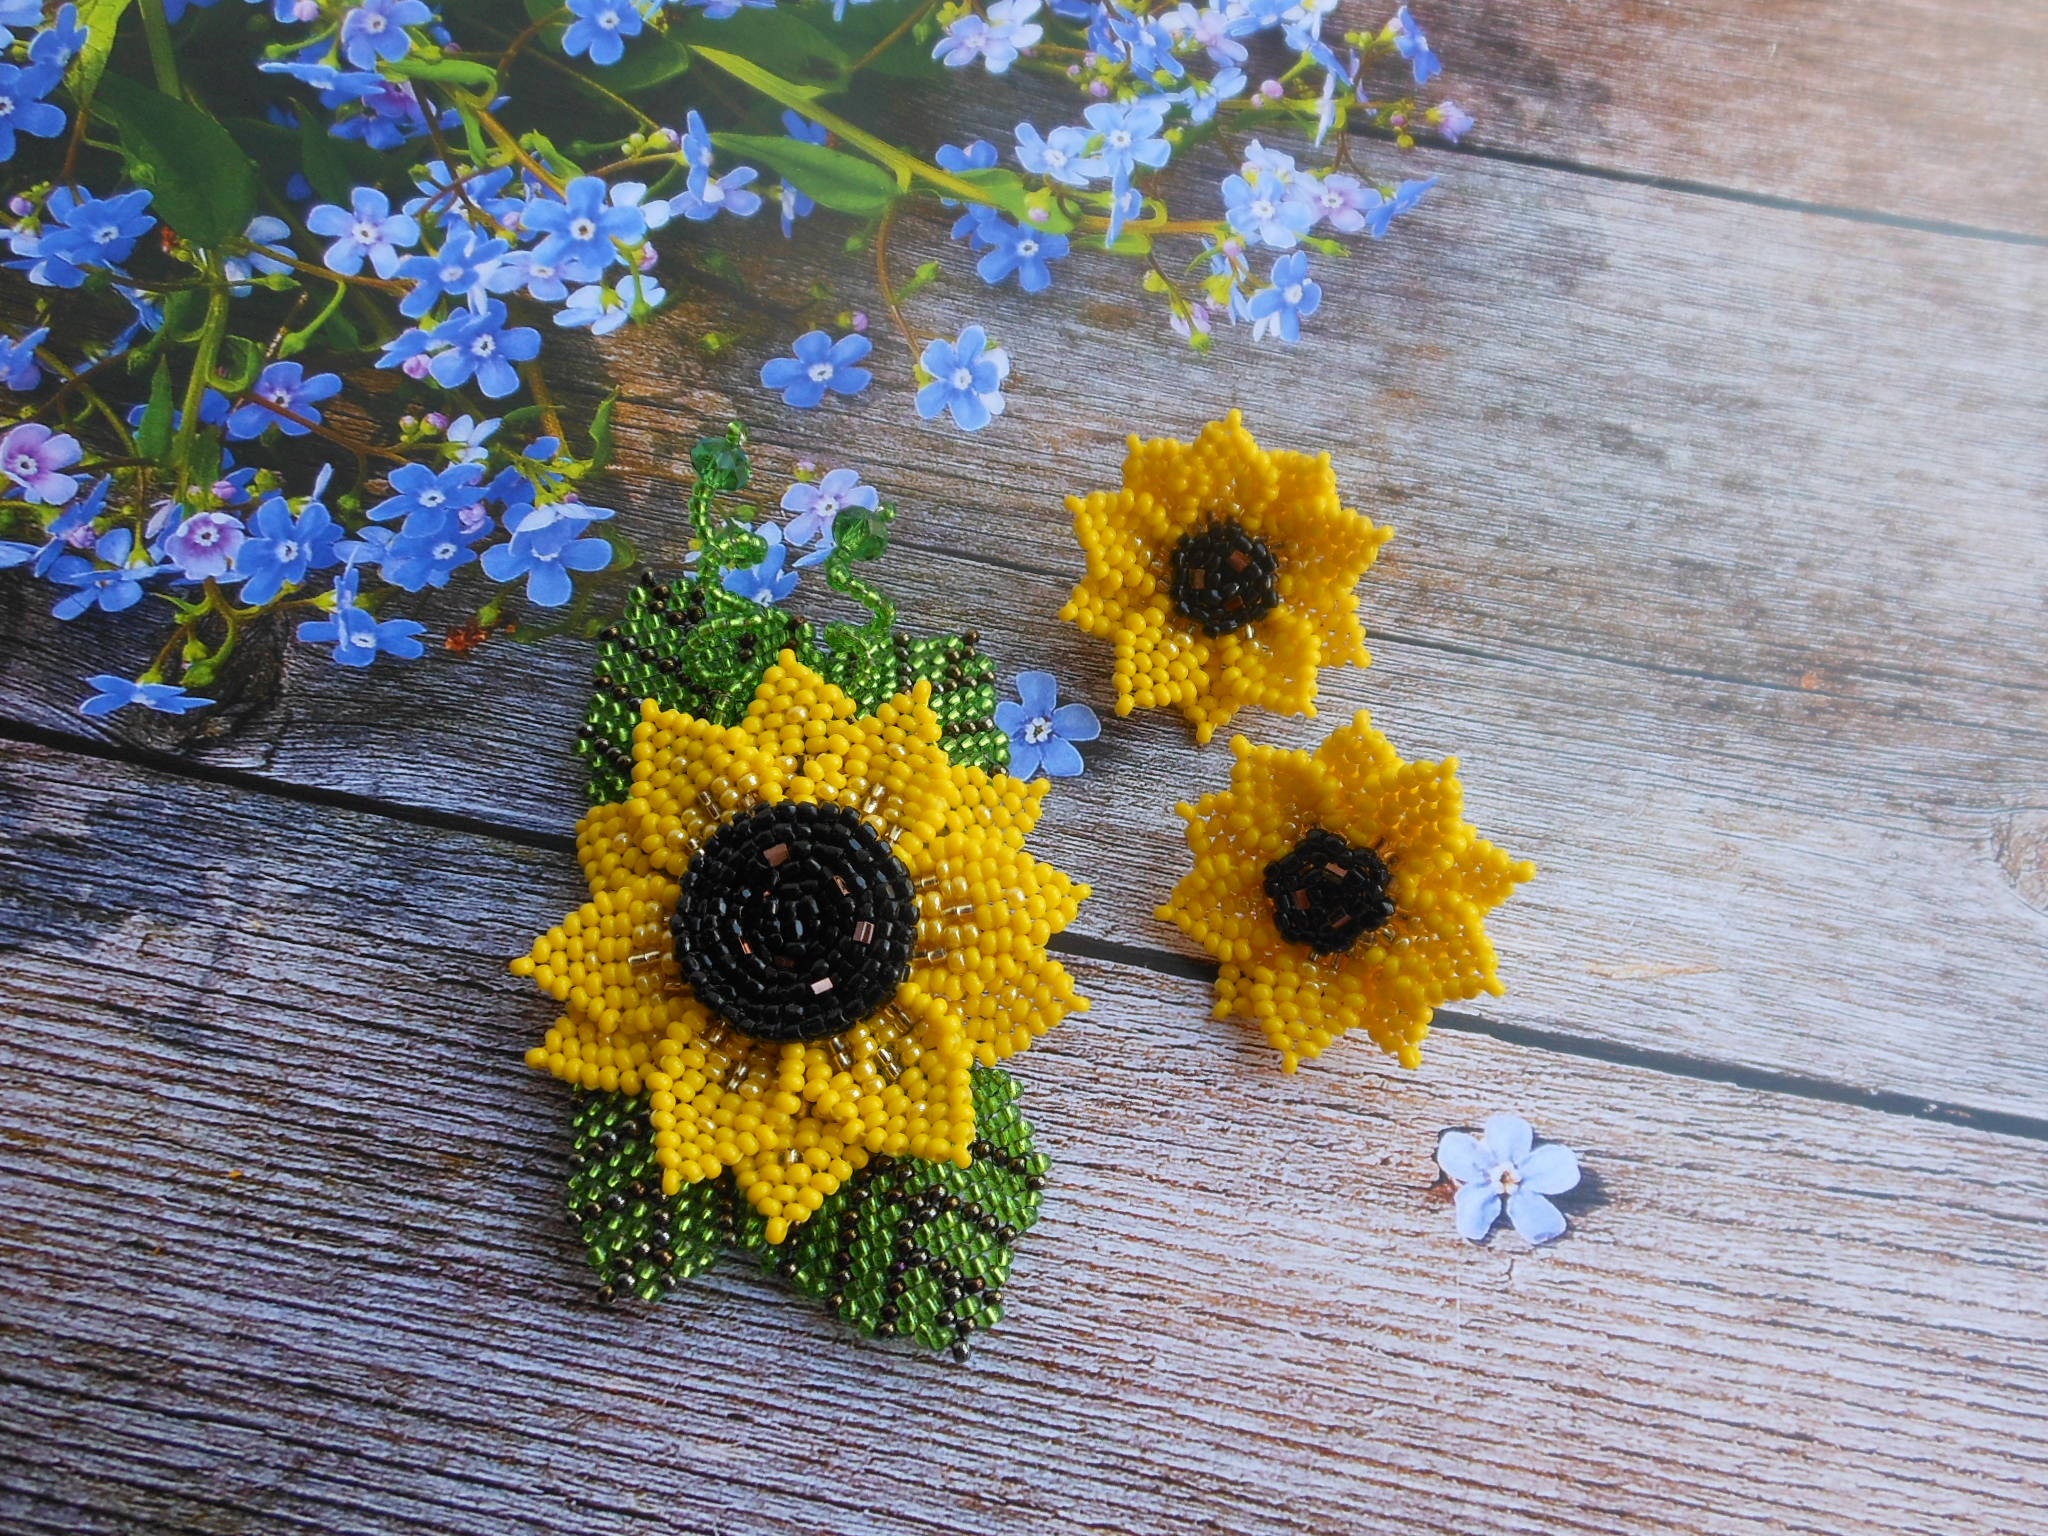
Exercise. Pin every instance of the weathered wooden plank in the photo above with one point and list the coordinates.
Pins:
(282, 1250)
(1733, 626)
(1862, 105)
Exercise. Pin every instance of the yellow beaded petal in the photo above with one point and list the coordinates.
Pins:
(794, 1121)
(1444, 880)
(1290, 502)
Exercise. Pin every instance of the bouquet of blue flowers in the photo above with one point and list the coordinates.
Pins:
(221, 213)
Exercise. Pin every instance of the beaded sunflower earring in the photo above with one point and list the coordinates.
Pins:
(1341, 887)
(1224, 573)
(813, 933)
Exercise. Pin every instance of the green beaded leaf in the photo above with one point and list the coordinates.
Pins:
(915, 1248)
(640, 1241)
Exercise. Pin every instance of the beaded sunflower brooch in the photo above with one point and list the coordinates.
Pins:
(813, 932)
(1224, 573)
(1341, 887)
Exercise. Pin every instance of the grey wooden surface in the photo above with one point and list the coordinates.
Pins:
(1720, 563)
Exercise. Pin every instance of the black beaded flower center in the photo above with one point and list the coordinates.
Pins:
(1327, 894)
(1223, 578)
(795, 922)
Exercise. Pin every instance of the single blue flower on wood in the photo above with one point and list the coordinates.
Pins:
(966, 378)
(1413, 46)
(1042, 730)
(545, 553)
(119, 692)
(820, 365)
(1504, 1167)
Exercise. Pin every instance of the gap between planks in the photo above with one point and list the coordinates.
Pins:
(1726, 194)
(1140, 957)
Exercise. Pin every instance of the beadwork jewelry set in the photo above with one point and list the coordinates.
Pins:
(814, 932)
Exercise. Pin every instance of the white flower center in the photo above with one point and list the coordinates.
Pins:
(1119, 138)
(714, 193)
(445, 550)
(582, 229)
(366, 234)
(1262, 208)
(1038, 731)
(1027, 248)
(825, 506)
(6, 106)
(375, 24)
(1506, 1179)
(963, 378)
(819, 372)
(451, 275)
(432, 498)
(1292, 293)
(287, 550)
(1055, 159)
(363, 640)
(25, 465)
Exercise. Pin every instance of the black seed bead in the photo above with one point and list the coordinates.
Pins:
(1224, 578)
(1328, 894)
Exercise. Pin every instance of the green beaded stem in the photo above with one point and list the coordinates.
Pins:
(905, 1246)
(691, 645)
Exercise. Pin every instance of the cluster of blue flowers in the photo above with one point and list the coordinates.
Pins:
(157, 456)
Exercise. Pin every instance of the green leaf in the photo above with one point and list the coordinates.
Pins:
(779, 38)
(952, 1230)
(463, 72)
(836, 180)
(653, 58)
(602, 440)
(102, 21)
(153, 437)
(204, 186)
(640, 1241)
(1003, 189)
(184, 310)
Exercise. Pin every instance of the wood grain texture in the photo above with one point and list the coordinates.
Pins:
(1760, 96)
(283, 1252)
(1720, 562)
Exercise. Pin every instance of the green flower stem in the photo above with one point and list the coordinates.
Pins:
(595, 88)
(804, 100)
(211, 333)
(895, 36)
(882, 233)
(294, 342)
(157, 28)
